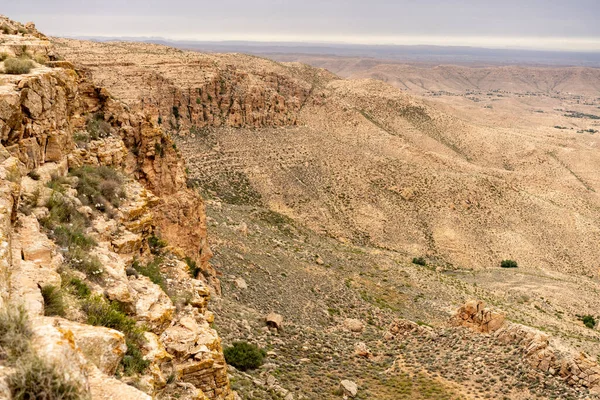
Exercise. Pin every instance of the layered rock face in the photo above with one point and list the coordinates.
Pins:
(186, 90)
(61, 137)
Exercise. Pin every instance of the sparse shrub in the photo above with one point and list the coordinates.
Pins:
(102, 313)
(79, 288)
(40, 59)
(3, 56)
(156, 244)
(53, 301)
(244, 356)
(152, 271)
(82, 260)
(98, 187)
(419, 261)
(589, 321)
(36, 379)
(81, 138)
(97, 127)
(33, 174)
(176, 112)
(15, 333)
(72, 237)
(158, 149)
(33, 377)
(508, 264)
(193, 267)
(17, 66)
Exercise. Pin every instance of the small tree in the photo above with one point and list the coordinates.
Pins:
(244, 356)
(588, 321)
(419, 261)
(508, 264)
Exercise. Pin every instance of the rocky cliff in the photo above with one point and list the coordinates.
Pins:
(103, 246)
(186, 90)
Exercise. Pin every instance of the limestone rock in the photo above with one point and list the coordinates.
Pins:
(349, 388)
(103, 387)
(104, 347)
(361, 350)
(152, 305)
(274, 320)
(241, 283)
(128, 243)
(354, 325)
(474, 315)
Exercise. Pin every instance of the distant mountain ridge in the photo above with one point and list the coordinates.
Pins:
(406, 53)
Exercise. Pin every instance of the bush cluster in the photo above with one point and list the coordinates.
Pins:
(53, 301)
(244, 356)
(589, 321)
(508, 264)
(17, 66)
(419, 261)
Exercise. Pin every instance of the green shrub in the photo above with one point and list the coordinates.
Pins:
(152, 271)
(53, 301)
(73, 237)
(97, 127)
(244, 356)
(508, 264)
(79, 288)
(40, 59)
(193, 267)
(588, 320)
(156, 244)
(15, 333)
(17, 66)
(98, 187)
(36, 379)
(419, 261)
(34, 175)
(102, 313)
(176, 112)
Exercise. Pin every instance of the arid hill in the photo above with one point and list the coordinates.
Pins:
(423, 78)
(321, 191)
(361, 161)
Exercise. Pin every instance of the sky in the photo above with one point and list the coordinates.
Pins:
(532, 24)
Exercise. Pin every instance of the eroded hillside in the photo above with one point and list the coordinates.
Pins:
(361, 161)
(321, 192)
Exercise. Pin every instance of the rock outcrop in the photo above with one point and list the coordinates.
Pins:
(537, 347)
(189, 90)
(473, 314)
(54, 121)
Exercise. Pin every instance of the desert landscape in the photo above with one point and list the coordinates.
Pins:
(378, 229)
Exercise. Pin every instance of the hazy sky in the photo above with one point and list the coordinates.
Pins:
(541, 24)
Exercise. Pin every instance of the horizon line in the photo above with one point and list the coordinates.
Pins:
(407, 41)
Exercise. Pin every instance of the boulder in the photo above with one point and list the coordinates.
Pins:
(361, 350)
(349, 388)
(274, 320)
(152, 305)
(103, 347)
(241, 283)
(354, 325)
